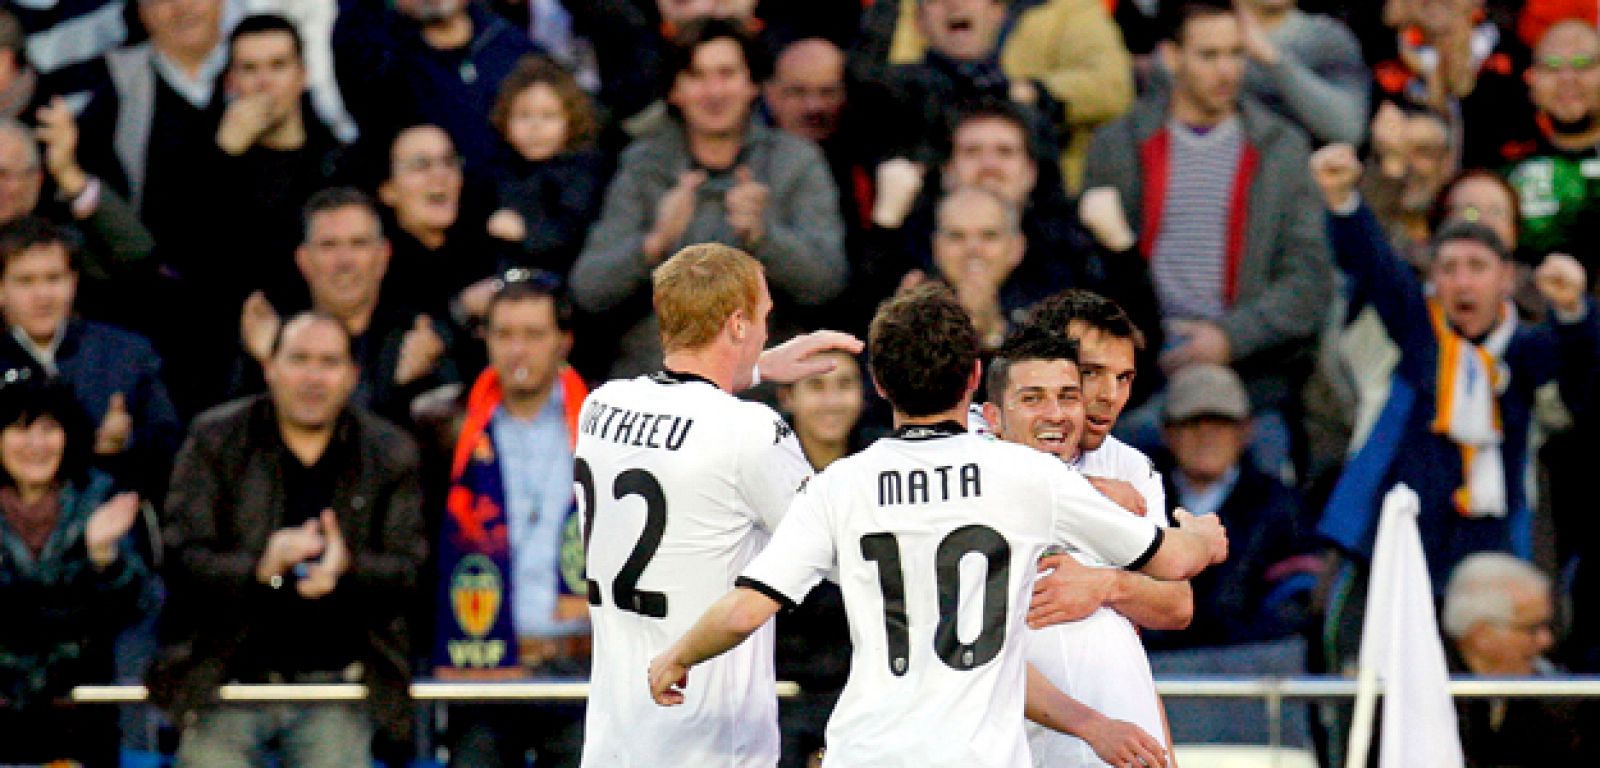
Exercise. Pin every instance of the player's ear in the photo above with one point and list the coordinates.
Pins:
(975, 377)
(991, 414)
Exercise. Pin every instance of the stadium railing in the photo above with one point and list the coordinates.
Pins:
(1273, 691)
(1204, 686)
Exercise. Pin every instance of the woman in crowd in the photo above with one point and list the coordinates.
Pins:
(68, 580)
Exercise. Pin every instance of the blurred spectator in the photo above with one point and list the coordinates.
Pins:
(511, 438)
(808, 96)
(117, 245)
(313, 20)
(825, 411)
(149, 131)
(991, 149)
(150, 128)
(1307, 68)
(294, 537)
(915, 105)
(1458, 62)
(1250, 598)
(813, 646)
(1065, 57)
(1225, 213)
(551, 175)
(1409, 166)
(398, 353)
(115, 375)
(977, 246)
(1498, 617)
(439, 249)
(1248, 612)
(1559, 183)
(276, 153)
(19, 83)
(1461, 399)
(426, 61)
(68, 579)
(714, 174)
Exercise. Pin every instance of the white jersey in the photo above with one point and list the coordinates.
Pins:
(1099, 660)
(935, 535)
(680, 484)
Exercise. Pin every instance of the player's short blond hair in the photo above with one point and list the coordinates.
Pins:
(697, 289)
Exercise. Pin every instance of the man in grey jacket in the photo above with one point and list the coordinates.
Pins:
(1217, 193)
(713, 174)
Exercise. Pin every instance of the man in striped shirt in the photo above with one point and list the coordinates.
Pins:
(1222, 207)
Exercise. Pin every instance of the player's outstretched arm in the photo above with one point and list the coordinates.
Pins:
(1188, 549)
(1071, 591)
(725, 624)
(798, 357)
(1115, 741)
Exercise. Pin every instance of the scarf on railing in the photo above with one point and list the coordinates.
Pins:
(1471, 378)
(475, 634)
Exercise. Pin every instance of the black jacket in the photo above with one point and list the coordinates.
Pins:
(228, 498)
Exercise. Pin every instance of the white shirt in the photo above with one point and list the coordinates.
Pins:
(679, 484)
(934, 536)
(1100, 660)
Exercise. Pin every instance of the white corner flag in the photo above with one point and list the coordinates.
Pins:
(1400, 645)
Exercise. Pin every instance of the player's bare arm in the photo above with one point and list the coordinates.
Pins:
(1115, 741)
(724, 625)
(1197, 542)
(1068, 591)
(804, 356)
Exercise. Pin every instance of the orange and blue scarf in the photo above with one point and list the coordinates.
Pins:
(475, 635)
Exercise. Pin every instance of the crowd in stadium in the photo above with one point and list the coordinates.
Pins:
(303, 299)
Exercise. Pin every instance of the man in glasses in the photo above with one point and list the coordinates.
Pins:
(1559, 184)
(1498, 616)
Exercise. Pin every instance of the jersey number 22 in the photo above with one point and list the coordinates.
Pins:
(625, 590)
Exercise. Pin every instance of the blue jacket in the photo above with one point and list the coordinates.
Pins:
(1403, 447)
(392, 78)
(97, 361)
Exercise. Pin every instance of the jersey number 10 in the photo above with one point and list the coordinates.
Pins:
(884, 549)
(625, 592)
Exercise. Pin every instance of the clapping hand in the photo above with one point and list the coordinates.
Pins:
(322, 574)
(110, 522)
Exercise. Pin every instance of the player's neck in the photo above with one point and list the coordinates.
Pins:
(716, 365)
(958, 414)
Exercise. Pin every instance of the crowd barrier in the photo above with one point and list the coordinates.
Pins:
(1202, 686)
(1273, 691)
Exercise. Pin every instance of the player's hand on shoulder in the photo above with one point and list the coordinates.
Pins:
(1209, 528)
(667, 680)
(1122, 743)
(1068, 592)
